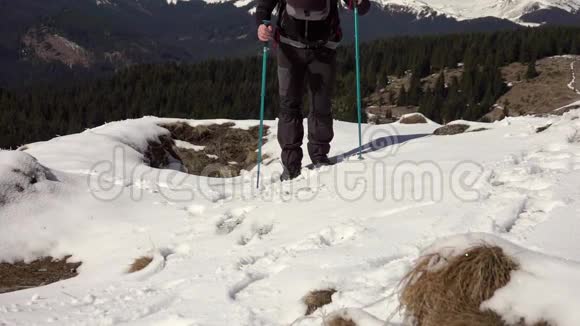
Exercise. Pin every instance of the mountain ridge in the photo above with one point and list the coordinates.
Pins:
(512, 10)
(44, 41)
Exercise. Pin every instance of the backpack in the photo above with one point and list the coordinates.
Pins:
(308, 10)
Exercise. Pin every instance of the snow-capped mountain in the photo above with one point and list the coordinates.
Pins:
(512, 10)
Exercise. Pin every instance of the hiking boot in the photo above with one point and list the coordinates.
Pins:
(288, 175)
(324, 161)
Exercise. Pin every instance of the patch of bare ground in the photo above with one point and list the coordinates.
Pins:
(217, 150)
(317, 299)
(20, 275)
(543, 94)
(449, 291)
(140, 264)
(382, 104)
(48, 46)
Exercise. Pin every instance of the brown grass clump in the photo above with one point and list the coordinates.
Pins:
(440, 291)
(20, 275)
(140, 264)
(339, 321)
(317, 299)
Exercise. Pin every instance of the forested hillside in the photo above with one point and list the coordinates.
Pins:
(230, 88)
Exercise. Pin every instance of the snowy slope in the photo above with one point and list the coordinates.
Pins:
(226, 254)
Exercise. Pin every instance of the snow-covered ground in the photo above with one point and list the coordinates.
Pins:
(226, 254)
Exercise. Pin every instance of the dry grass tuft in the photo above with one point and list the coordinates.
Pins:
(339, 321)
(440, 291)
(317, 299)
(140, 264)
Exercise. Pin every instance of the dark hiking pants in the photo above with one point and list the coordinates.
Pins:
(298, 70)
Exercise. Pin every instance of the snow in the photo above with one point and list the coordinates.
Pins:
(411, 115)
(21, 176)
(22, 179)
(228, 254)
(186, 145)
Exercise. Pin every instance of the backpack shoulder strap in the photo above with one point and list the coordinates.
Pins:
(281, 10)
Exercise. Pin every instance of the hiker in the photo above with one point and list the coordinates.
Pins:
(307, 34)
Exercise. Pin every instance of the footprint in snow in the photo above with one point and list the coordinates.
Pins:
(232, 219)
(195, 210)
(328, 237)
(258, 231)
(243, 284)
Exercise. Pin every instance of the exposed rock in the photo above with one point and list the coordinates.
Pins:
(453, 129)
(497, 114)
(414, 118)
(542, 129)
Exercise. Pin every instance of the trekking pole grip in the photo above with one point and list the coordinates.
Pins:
(268, 24)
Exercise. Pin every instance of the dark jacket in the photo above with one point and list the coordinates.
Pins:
(302, 31)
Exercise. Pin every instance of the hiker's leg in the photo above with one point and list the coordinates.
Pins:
(321, 77)
(291, 74)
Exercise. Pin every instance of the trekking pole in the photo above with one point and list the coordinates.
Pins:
(262, 104)
(358, 90)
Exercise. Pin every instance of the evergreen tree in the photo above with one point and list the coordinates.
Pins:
(230, 88)
(575, 48)
(402, 99)
(415, 90)
(531, 72)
